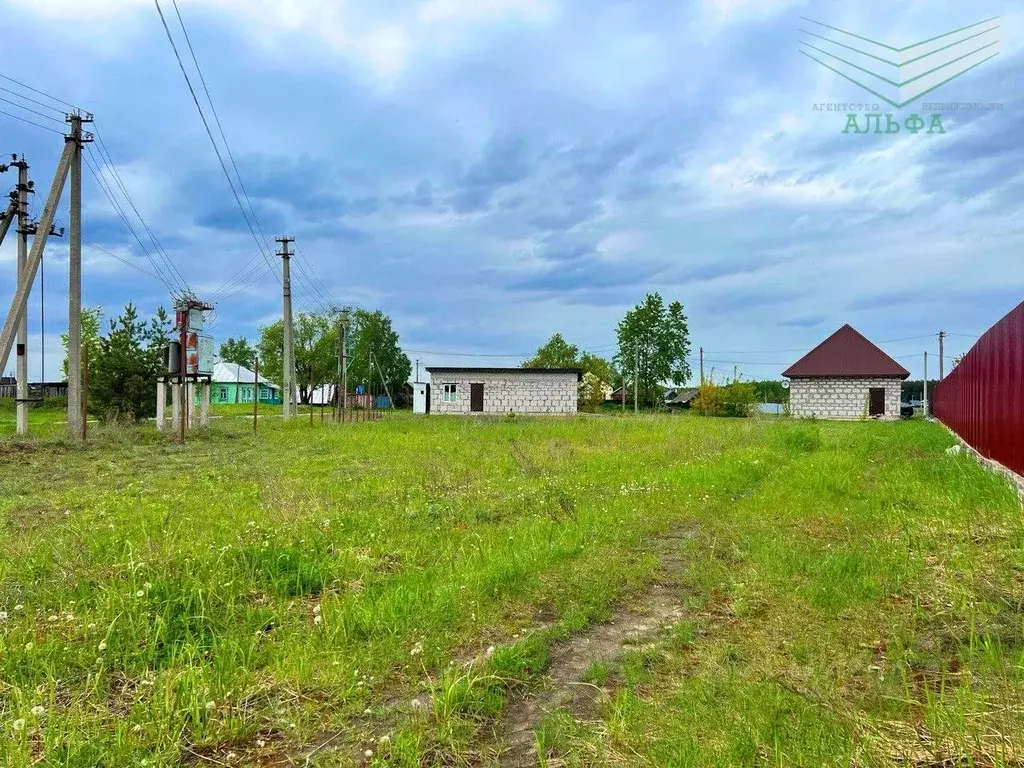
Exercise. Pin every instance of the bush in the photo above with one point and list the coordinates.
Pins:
(733, 399)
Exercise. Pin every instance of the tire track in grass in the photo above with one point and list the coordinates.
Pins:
(631, 627)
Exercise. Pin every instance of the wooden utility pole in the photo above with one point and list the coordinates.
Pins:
(702, 366)
(75, 141)
(344, 366)
(256, 397)
(288, 357)
(85, 393)
(636, 383)
(942, 357)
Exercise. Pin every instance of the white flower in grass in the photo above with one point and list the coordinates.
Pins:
(29, 646)
(91, 626)
(3, 615)
(52, 618)
(140, 593)
(103, 645)
(368, 754)
(260, 743)
(316, 609)
(19, 607)
(416, 649)
(38, 710)
(318, 619)
(210, 705)
(137, 728)
(19, 724)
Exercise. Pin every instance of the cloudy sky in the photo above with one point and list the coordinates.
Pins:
(489, 172)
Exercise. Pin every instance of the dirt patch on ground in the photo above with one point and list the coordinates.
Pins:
(631, 626)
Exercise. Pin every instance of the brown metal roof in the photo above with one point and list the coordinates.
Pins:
(846, 353)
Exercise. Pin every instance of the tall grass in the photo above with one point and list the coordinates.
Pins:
(246, 595)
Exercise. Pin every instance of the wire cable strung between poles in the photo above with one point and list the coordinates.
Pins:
(42, 93)
(167, 280)
(260, 271)
(33, 111)
(318, 284)
(38, 103)
(123, 260)
(161, 251)
(213, 142)
(32, 122)
(239, 275)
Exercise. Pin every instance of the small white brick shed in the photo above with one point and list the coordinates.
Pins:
(504, 390)
(845, 377)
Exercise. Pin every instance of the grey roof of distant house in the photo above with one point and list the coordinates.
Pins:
(232, 373)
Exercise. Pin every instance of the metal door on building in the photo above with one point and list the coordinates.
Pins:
(876, 406)
(476, 398)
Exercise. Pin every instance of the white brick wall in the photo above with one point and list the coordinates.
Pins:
(527, 391)
(840, 398)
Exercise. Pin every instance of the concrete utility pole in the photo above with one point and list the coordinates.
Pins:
(21, 364)
(77, 139)
(925, 401)
(942, 357)
(288, 356)
(19, 301)
(344, 366)
(339, 413)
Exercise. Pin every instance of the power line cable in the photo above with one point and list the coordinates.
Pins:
(41, 93)
(165, 279)
(123, 260)
(242, 280)
(318, 284)
(33, 111)
(33, 101)
(32, 122)
(209, 133)
(237, 275)
(216, 118)
(260, 271)
(161, 251)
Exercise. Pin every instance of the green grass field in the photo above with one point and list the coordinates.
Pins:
(653, 591)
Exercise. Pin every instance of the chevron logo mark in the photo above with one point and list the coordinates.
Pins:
(900, 76)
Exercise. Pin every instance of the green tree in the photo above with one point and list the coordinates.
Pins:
(125, 364)
(555, 353)
(92, 320)
(374, 353)
(770, 391)
(558, 353)
(238, 351)
(316, 351)
(654, 347)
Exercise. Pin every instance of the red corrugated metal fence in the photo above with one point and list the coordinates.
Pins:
(982, 399)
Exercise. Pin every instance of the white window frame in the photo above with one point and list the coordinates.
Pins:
(450, 393)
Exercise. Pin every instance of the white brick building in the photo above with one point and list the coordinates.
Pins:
(846, 377)
(503, 390)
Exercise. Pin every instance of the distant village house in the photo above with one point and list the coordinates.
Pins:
(845, 377)
(503, 390)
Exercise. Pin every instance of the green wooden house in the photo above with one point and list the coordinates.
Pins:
(234, 383)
